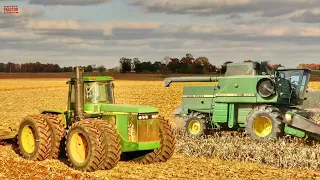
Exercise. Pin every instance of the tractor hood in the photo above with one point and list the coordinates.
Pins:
(128, 108)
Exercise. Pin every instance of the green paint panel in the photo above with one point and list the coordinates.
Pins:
(198, 98)
(231, 119)
(94, 78)
(132, 146)
(220, 113)
(128, 108)
(236, 89)
(198, 90)
(122, 126)
(92, 108)
(242, 111)
(294, 131)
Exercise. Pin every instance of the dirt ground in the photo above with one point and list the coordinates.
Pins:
(20, 97)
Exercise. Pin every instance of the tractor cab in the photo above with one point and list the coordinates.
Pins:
(292, 84)
(96, 91)
(251, 68)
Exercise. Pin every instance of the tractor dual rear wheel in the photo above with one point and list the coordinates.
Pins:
(58, 131)
(264, 123)
(112, 147)
(35, 138)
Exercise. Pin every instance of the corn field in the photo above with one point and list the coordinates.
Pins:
(220, 155)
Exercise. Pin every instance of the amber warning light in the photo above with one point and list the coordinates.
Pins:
(10, 9)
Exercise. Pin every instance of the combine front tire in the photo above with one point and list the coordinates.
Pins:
(85, 146)
(264, 123)
(112, 148)
(34, 138)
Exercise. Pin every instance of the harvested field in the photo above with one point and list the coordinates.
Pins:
(214, 157)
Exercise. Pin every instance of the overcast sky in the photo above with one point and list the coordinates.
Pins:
(82, 32)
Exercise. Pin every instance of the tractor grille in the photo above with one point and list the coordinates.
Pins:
(148, 130)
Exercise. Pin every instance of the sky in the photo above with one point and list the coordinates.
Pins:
(100, 32)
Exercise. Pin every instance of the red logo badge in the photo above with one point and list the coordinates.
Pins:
(10, 9)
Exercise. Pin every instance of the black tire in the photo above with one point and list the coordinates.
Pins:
(58, 132)
(198, 122)
(112, 144)
(163, 153)
(93, 138)
(36, 126)
(141, 157)
(168, 141)
(270, 117)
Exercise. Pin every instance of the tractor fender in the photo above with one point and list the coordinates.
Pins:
(60, 113)
(53, 111)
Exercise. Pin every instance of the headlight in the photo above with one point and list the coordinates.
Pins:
(288, 116)
(149, 116)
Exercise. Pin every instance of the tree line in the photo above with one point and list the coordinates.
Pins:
(40, 68)
(187, 64)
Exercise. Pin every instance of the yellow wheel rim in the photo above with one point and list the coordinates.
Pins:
(28, 139)
(262, 126)
(78, 147)
(194, 127)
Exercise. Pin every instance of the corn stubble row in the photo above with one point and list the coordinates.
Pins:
(16, 103)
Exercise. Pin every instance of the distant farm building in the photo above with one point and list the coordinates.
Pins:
(310, 66)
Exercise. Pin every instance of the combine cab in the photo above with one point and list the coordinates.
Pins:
(95, 131)
(258, 97)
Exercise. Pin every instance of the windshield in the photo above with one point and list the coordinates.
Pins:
(299, 80)
(98, 92)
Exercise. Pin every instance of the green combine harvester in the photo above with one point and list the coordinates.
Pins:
(252, 96)
(96, 132)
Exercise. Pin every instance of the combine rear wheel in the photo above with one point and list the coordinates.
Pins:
(85, 146)
(34, 138)
(264, 123)
(163, 153)
(196, 125)
(112, 148)
(58, 132)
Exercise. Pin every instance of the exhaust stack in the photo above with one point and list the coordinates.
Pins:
(79, 93)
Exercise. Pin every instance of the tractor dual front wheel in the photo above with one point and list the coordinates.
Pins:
(35, 138)
(92, 145)
(264, 123)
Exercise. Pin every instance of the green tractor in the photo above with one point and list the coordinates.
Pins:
(257, 97)
(95, 132)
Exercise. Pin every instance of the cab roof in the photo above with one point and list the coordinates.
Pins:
(94, 78)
